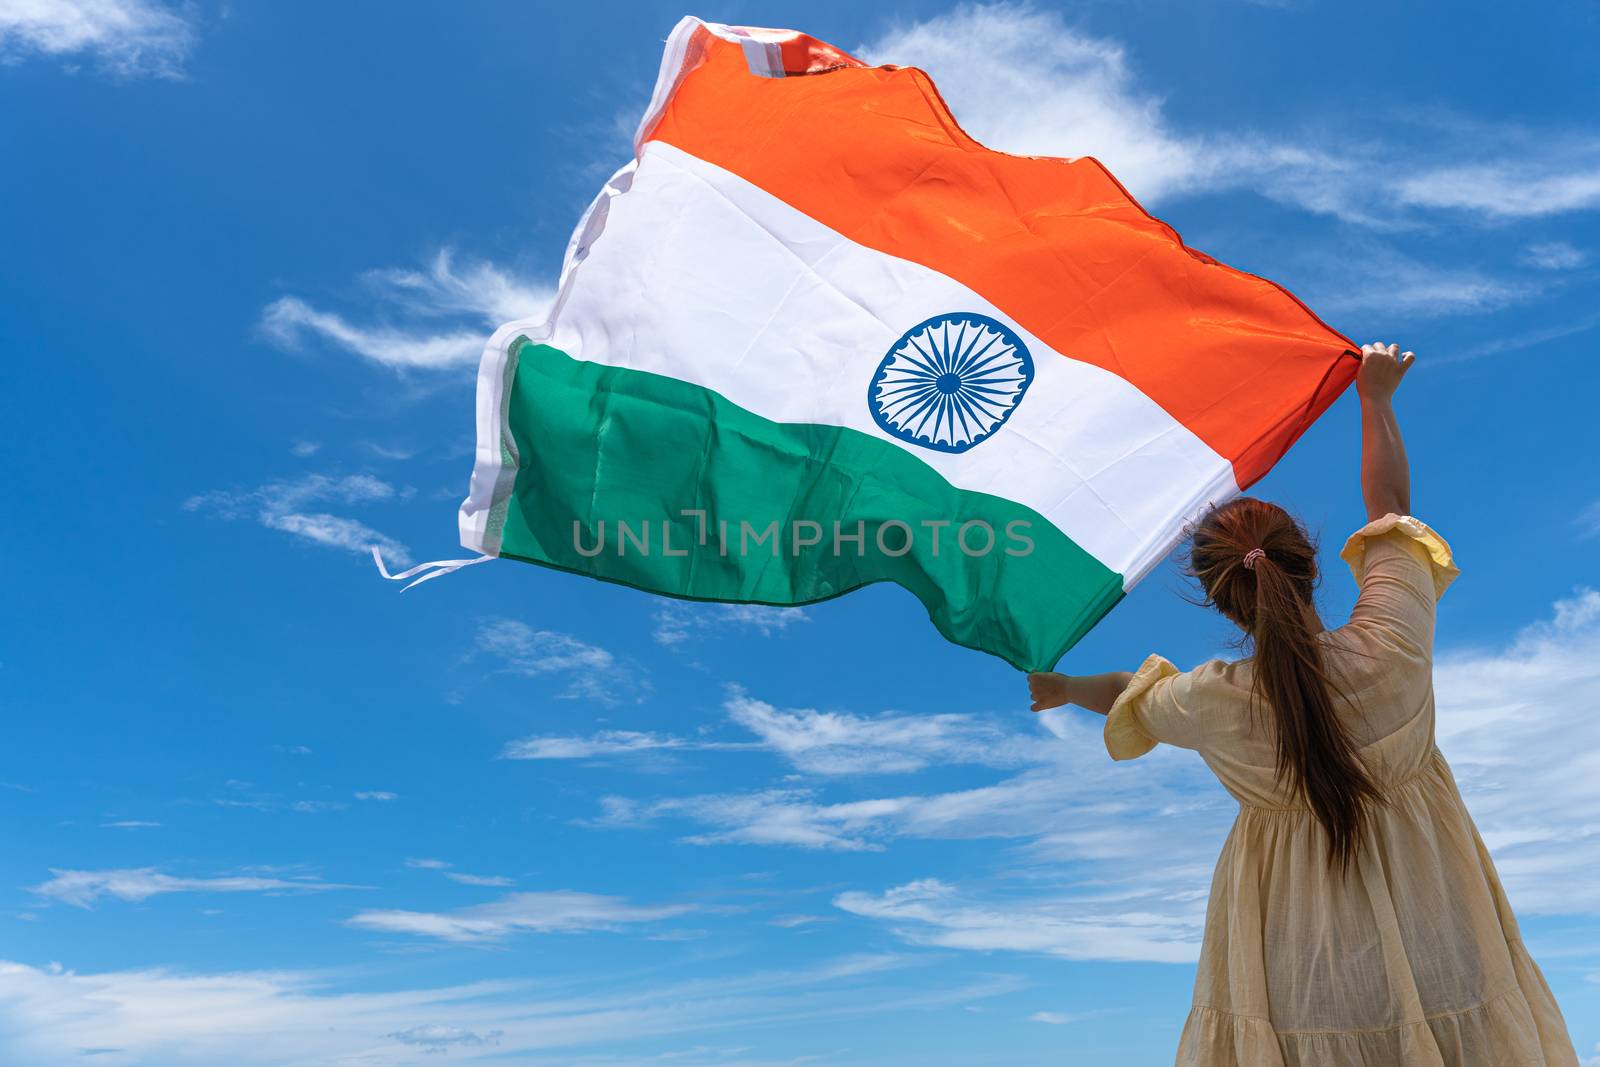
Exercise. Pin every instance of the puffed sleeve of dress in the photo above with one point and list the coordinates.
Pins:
(1402, 567)
(1153, 708)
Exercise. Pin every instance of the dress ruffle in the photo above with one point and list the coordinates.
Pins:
(1500, 1031)
(1355, 549)
(1125, 738)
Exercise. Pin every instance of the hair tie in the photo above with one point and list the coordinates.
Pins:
(1252, 557)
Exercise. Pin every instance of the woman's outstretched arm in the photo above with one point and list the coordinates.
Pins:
(1385, 474)
(1097, 692)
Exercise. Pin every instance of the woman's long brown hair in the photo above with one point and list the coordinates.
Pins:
(1316, 754)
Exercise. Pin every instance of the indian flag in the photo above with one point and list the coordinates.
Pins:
(814, 336)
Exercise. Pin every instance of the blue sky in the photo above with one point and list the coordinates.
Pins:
(261, 809)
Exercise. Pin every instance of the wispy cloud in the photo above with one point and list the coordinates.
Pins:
(436, 1038)
(1078, 926)
(270, 1018)
(1511, 189)
(286, 506)
(490, 880)
(560, 912)
(376, 794)
(1365, 277)
(1065, 791)
(130, 824)
(678, 622)
(842, 743)
(1588, 520)
(82, 888)
(126, 38)
(817, 742)
(1059, 812)
(608, 743)
(419, 318)
(1518, 727)
(1518, 341)
(589, 670)
(1046, 89)
(247, 796)
(1554, 255)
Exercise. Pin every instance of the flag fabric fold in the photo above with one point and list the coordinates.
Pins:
(814, 336)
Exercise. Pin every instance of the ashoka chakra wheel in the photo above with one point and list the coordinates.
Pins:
(950, 382)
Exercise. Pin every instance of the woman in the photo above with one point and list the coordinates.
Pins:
(1355, 916)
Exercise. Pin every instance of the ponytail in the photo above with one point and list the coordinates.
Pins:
(1316, 754)
(1258, 568)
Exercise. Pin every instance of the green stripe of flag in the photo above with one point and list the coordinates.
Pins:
(607, 447)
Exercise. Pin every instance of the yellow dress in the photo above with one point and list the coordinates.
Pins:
(1414, 958)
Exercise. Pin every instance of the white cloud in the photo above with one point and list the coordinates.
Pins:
(603, 744)
(1517, 342)
(817, 742)
(1045, 88)
(414, 312)
(376, 794)
(437, 1038)
(50, 1016)
(287, 317)
(533, 652)
(316, 807)
(284, 506)
(1554, 255)
(539, 913)
(590, 670)
(304, 449)
(1509, 190)
(1589, 520)
(336, 531)
(129, 824)
(82, 888)
(772, 817)
(1518, 727)
(1370, 278)
(127, 37)
(492, 880)
(678, 621)
(1063, 789)
(840, 743)
(479, 289)
(1072, 926)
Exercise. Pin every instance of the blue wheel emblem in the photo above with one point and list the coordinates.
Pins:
(950, 382)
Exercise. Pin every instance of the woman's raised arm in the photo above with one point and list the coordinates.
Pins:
(1385, 474)
(1097, 692)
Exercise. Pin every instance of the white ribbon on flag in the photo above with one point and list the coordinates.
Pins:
(435, 568)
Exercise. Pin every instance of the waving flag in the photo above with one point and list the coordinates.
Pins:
(815, 336)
